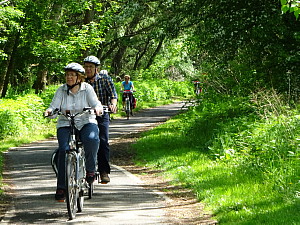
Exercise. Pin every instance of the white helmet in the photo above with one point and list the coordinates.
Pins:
(75, 67)
(92, 59)
(104, 72)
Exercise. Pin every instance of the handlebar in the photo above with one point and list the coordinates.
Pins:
(127, 91)
(68, 115)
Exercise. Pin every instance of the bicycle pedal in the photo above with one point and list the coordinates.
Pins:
(103, 182)
(60, 200)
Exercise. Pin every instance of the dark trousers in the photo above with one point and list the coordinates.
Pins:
(104, 150)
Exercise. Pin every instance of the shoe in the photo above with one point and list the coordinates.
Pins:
(60, 195)
(90, 177)
(104, 177)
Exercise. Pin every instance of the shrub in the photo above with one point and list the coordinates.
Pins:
(20, 115)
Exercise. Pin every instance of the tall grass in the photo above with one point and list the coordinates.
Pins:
(239, 155)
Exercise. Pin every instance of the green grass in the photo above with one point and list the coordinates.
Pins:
(244, 167)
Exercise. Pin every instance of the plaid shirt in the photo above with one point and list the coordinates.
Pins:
(104, 88)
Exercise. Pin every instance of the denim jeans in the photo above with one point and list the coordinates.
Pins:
(89, 136)
(104, 151)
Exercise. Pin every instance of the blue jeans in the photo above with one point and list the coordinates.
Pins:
(89, 136)
(104, 151)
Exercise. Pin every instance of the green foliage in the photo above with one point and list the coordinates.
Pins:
(9, 24)
(153, 90)
(239, 155)
(290, 6)
(19, 116)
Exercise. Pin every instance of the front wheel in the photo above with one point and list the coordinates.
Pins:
(72, 185)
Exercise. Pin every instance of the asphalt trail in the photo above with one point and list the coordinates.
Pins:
(121, 202)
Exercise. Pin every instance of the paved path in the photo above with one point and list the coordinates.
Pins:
(122, 201)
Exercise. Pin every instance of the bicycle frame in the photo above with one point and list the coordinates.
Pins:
(128, 102)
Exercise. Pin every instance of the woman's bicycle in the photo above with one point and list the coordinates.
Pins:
(128, 102)
(76, 184)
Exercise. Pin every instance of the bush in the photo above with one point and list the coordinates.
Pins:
(20, 115)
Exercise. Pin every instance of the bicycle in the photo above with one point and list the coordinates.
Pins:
(128, 102)
(197, 87)
(75, 167)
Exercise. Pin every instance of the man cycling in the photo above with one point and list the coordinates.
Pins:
(107, 95)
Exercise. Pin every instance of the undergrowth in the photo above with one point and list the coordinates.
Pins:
(239, 155)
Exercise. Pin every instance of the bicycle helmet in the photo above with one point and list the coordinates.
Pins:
(92, 59)
(75, 67)
(104, 72)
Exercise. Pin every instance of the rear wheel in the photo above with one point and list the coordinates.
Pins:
(72, 186)
(91, 190)
(127, 110)
(80, 201)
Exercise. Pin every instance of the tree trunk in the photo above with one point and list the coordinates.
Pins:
(155, 52)
(10, 64)
(117, 60)
(140, 56)
(41, 81)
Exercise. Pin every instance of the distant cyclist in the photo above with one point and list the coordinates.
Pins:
(197, 87)
(127, 85)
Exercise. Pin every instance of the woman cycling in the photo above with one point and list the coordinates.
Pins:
(74, 96)
(127, 85)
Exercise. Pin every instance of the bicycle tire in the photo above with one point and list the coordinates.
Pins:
(72, 186)
(91, 190)
(54, 157)
(80, 201)
(127, 108)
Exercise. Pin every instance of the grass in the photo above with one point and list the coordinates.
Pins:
(244, 167)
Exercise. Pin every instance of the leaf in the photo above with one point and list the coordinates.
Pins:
(283, 2)
(284, 8)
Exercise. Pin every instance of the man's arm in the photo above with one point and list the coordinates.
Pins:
(113, 95)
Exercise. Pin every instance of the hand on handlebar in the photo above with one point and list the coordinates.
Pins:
(49, 113)
(99, 110)
(112, 108)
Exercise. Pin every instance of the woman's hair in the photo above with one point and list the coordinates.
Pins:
(81, 77)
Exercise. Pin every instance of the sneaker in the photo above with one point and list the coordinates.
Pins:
(90, 177)
(60, 195)
(104, 177)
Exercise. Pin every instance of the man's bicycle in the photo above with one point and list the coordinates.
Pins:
(76, 185)
(128, 102)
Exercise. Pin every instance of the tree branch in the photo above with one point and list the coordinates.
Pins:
(1, 3)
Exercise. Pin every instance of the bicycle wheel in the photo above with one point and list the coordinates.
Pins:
(91, 190)
(80, 201)
(127, 108)
(72, 187)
